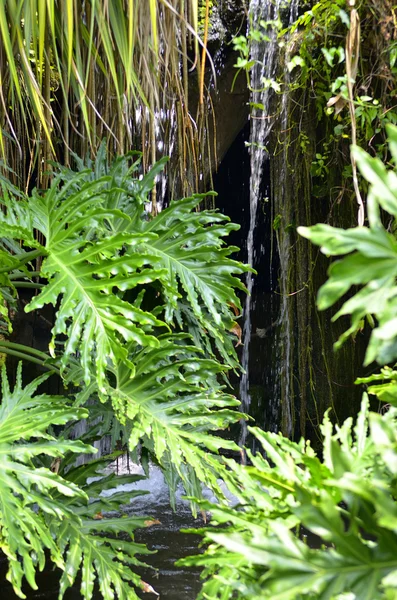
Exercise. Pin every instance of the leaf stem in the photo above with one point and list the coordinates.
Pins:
(28, 256)
(25, 356)
(28, 284)
(30, 274)
(23, 348)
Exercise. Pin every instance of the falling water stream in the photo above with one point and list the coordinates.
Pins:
(264, 16)
(284, 390)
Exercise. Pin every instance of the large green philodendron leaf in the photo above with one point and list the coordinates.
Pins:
(345, 505)
(175, 404)
(85, 266)
(199, 279)
(371, 264)
(189, 245)
(98, 243)
(27, 494)
(62, 513)
(92, 546)
(94, 552)
(190, 248)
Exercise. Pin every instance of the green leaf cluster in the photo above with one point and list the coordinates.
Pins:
(323, 526)
(145, 309)
(46, 514)
(371, 262)
(59, 56)
(303, 527)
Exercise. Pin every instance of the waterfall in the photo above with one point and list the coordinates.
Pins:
(264, 15)
(283, 384)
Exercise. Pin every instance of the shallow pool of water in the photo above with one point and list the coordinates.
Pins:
(170, 544)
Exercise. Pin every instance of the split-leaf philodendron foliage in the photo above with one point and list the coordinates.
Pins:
(145, 306)
(306, 526)
(46, 514)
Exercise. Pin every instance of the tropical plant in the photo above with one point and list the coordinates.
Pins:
(371, 260)
(329, 49)
(127, 287)
(73, 72)
(305, 527)
(58, 515)
(310, 526)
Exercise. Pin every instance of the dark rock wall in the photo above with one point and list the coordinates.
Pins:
(318, 378)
